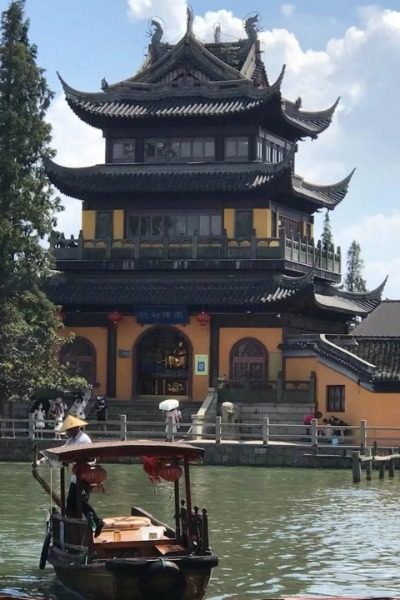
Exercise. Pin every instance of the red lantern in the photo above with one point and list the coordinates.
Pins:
(151, 466)
(114, 317)
(203, 318)
(170, 472)
(94, 475)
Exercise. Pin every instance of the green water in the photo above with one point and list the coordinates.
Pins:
(277, 531)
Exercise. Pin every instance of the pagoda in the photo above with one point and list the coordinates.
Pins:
(197, 257)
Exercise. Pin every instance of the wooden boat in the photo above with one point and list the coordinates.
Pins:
(135, 557)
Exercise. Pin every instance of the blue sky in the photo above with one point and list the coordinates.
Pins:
(332, 48)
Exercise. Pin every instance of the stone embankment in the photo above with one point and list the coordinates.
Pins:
(226, 453)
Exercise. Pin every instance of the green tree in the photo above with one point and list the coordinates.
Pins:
(354, 281)
(327, 236)
(29, 322)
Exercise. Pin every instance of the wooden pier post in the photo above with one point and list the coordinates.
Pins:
(391, 467)
(382, 469)
(368, 464)
(356, 466)
(363, 435)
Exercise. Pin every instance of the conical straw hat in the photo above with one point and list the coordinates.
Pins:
(72, 422)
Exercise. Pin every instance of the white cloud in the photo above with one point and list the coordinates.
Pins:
(288, 10)
(378, 236)
(77, 145)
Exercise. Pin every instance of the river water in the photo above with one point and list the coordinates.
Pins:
(277, 531)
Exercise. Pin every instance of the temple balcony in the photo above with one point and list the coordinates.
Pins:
(297, 255)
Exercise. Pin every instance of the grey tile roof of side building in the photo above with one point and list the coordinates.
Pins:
(384, 321)
(374, 359)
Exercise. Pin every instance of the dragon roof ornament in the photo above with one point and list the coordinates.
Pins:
(251, 26)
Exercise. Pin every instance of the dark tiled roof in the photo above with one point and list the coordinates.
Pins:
(131, 101)
(204, 289)
(375, 361)
(382, 352)
(340, 300)
(383, 321)
(319, 120)
(130, 290)
(113, 179)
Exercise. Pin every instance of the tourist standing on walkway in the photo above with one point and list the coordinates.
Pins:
(101, 411)
(308, 420)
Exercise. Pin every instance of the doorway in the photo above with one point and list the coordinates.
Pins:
(163, 363)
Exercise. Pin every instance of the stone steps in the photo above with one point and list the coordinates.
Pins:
(146, 410)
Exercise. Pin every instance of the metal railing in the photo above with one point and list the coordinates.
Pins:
(358, 436)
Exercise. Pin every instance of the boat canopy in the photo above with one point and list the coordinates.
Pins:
(117, 449)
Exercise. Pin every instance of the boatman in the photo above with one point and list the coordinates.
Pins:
(72, 429)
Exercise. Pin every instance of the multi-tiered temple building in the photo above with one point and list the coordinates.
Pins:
(197, 256)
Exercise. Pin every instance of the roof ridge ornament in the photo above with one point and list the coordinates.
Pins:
(155, 32)
(251, 26)
(217, 33)
(189, 20)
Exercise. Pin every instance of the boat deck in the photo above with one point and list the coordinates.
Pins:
(135, 534)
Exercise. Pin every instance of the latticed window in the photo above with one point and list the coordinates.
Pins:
(248, 361)
(335, 398)
(80, 359)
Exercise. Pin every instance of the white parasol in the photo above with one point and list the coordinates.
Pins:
(169, 404)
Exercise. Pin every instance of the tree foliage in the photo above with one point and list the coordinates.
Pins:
(327, 236)
(29, 322)
(354, 281)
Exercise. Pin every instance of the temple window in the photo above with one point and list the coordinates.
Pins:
(291, 227)
(271, 149)
(179, 149)
(104, 224)
(335, 398)
(243, 223)
(236, 148)
(123, 151)
(79, 358)
(248, 361)
(156, 225)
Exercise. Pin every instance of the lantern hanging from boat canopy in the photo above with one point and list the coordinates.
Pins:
(114, 317)
(170, 472)
(94, 475)
(203, 318)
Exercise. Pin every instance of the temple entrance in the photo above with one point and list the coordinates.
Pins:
(162, 359)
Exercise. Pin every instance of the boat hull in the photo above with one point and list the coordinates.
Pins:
(132, 579)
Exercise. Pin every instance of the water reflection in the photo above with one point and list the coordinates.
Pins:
(277, 531)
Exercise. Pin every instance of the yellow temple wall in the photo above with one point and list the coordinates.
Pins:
(229, 222)
(261, 222)
(118, 224)
(98, 337)
(270, 338)
(377, 408)
(299, 369)
(88, 224)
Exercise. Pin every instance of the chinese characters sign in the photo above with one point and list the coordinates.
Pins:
(166, 315)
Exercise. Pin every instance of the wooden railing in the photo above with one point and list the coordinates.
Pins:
(299, 250)
(264, 431)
